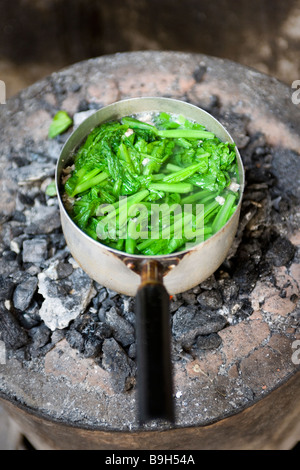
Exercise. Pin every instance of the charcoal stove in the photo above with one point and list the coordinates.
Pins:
(237, 376)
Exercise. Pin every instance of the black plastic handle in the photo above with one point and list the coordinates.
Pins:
(154, 381)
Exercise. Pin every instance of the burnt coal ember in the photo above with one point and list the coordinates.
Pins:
(40, 338)
(13, 335)
(35, 251)
(24, 292)
(210, 299)
(115, 360)
(281, 252)
(190, 322)
(6, 288)
(45, 296)
(211, 341)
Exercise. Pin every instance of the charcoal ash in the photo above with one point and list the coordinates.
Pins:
(236, 125)
(281, 252)
(255, 151)
(190, 322)
(35, 251)
(64, 299)
(123, 330)
(229, 288)
(29, 318)
(122, 368)
(24, 200)
(189, 297)
(57, 336)
(43, 220)
(85, 331)
(210, 300)
(64, 270)
(75, 339)
(40, 340)
(105, 306)
(11, 332)
(82, 116)
(284, 161)
(207, 342)
(92, 348)
(24, 293)
(6, 288)
(87, 335)
(209, 284)
(111, 344)
(38, 273)
(32, 172)
(132, 351)
(175, 303)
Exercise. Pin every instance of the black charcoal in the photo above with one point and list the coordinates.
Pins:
(35, 250)
(24, 292)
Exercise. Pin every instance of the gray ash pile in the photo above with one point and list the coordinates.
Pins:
(45, 296)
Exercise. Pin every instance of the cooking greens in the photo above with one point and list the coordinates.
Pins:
(60, 123)
(152, 184)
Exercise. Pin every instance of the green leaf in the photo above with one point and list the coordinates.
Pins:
(175, 162)
(51, 189)
(61, 122)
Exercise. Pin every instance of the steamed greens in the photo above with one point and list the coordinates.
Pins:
(60, 123)
(167, 162)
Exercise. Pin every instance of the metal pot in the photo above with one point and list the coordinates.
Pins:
(150, 279)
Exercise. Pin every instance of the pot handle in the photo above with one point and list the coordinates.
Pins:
(154, 380)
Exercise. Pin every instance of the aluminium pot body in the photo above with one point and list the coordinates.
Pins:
(120, 271)
(150, 279)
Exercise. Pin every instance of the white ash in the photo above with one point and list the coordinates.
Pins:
(103, 318)
(15, 247)
(35, 172)
(220, 200)
(61, 307)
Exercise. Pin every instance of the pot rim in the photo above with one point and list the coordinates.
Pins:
(123, 254)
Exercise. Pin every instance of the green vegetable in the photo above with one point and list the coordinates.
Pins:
(89, 183)
(136, 124)
(138, 186)
(60, 123)
(182, 174)
(172, 187)
(224, 213)
(187, 134)
(51, 189)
